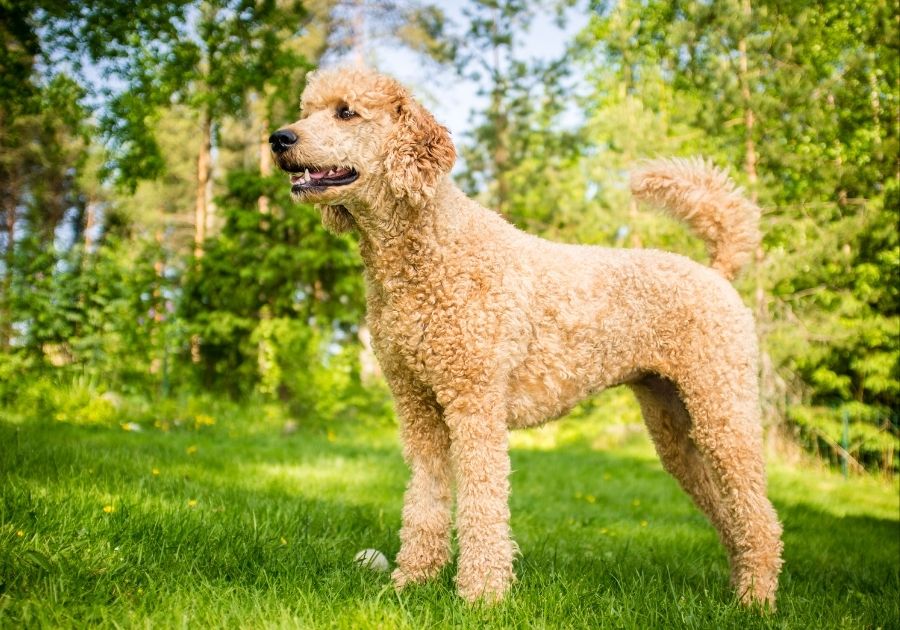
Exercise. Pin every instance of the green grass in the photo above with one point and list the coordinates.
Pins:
(243, 527)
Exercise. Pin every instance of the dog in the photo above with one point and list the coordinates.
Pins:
(481, 328)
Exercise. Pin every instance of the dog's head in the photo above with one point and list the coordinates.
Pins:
(362, 145)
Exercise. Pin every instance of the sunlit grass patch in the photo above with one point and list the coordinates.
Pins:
(253, 527)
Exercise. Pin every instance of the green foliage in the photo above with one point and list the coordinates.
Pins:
(270, 293)
(798, 99)
(100, 277)
(867, 439)
(79, 402)
(236, 50)
(95, 315)
(97, 281)
(285, 349)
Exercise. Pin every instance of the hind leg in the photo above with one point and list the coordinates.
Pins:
(726, 431)
(669, 426)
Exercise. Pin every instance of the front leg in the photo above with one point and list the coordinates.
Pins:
(479, 450)
(425, 535)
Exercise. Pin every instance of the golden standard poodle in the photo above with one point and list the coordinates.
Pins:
(481, 328)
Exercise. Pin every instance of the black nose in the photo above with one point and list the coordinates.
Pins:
(282, 139)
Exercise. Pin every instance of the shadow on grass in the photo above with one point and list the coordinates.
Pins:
(267, 514)
(590, 499)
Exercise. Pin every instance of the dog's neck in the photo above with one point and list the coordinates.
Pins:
(406, 243)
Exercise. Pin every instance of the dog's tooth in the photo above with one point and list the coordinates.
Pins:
(306, 175)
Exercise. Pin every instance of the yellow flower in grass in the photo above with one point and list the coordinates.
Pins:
(331, 436)
(20, 533)
(109, 509)
(155, 472)
(636, 502)
(191, 450)
(192, 503)
(643, 523)
(283, 541)
(202, 420)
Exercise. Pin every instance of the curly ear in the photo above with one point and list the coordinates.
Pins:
(336, 219)
(418, 152)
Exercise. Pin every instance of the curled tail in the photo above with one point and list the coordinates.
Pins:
(702, 195)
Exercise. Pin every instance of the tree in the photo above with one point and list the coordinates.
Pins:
(266, 269)
(44, 125)
(798, 99)
(487, 53)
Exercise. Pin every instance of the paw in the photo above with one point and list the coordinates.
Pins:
(756, 582)
(408, 573)
(402, 577)
(754, 591)
(757, 595)
(420, 559)
(489, 587)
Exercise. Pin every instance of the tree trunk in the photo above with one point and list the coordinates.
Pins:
(498, 115)
(626, 89)
(358, 34)
(201, 206)
(501, 150)
(750, 153)
(9, 259)
(211, 209)
(369, 369)
(770, 386)
(749, 118)
(90, 219)
(265, 164)
(203, 168)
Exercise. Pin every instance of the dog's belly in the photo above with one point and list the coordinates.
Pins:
(533, 401)
(556, 377)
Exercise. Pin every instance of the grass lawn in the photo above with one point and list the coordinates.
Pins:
(235, 525)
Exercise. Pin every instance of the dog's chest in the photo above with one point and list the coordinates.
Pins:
(421, 327)
(399, 323)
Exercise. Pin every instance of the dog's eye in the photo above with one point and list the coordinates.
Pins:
(345, 113)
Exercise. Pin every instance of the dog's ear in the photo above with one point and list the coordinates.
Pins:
(417, 153)
(336, 219)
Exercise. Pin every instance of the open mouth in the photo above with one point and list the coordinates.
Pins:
(308, 178)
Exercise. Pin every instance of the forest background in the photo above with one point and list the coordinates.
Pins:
(151, 260)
